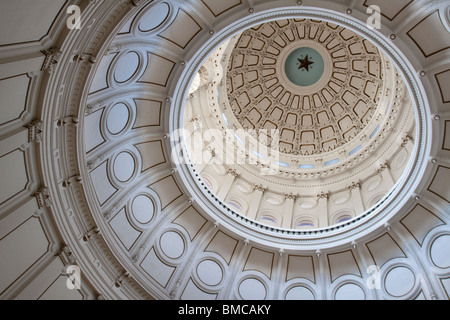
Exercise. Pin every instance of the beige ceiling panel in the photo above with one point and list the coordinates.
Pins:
(100, 81)
(430, 35)
(102, 184)
(125, 232)
(13, 174)
(93, 135)
(193, 292)
(219, 7)
(343, 263)
(58, 291)
(20, 249)
(383, 249)
(439, 184)
(446, 144)
(185, 22)
(261, 261)
(419, 222)
(223, 245)
(389, 9)
(158, 70)
(14, 93)
(191, 221)
(157, 269)
(148, 113)
(151, 153)
(300, 267)
(167, 190)
(38, 15)
(443, 82)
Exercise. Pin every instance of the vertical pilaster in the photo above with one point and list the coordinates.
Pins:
(322, 198)
(355, 190)
(255, 201)
(386, 175)
(288, 210)
(208, 156)
(227, 183)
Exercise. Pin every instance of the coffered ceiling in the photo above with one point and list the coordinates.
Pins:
(90, 177)
(311, 120)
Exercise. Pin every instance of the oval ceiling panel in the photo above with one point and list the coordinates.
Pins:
(172, 244)
(209, 272)
(154, 17)
(252, 289)
(124, 166)
(126, 67)
(399, 281)
(143, 209)
(118, 118)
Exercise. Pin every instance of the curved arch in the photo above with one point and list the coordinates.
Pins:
(269, 217)
(237, 203)
(306, 221)
(67, 209)
(342, 215)
(375, 199)
(210, 182)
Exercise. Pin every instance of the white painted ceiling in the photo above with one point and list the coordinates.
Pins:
(141, 226)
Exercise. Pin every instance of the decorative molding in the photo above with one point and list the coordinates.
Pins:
(290, 196)
(34, 131)
(135, 3)
(233, 172)
(66, 256)
(383, 167)
(259, 187)
(354, 185)
(68, 121)
(52, 56)
(322, 195)
(68, 182)
(406, 139)
(84, 57)
(43, 197)
(91, 233)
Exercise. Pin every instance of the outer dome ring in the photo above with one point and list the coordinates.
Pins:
(370, 220)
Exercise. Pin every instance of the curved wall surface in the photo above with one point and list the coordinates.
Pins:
(90, 182)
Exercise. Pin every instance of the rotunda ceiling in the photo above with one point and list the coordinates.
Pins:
(317, 83)
(301, 110)
(149, 219)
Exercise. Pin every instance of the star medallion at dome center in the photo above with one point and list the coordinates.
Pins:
(305, 63)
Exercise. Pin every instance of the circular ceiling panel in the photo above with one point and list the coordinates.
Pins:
(124, 166)
(252, 289)
(118, 118)
(143, 209)
(127, 66)
(304, 66)
(154, 17)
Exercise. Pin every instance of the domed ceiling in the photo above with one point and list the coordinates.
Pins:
(352, 203)
(292, 140)
(318, 83)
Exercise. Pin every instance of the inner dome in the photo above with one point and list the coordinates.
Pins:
(310, 149)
